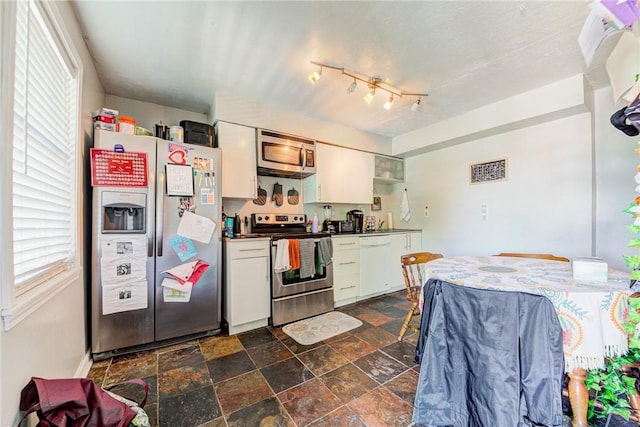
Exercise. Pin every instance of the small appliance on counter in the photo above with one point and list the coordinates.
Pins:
(198, 133)
(328, 225)
(356, 216)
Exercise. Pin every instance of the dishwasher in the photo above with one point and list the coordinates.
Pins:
(375, 276)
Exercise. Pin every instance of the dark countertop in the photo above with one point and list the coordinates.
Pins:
(366, 233)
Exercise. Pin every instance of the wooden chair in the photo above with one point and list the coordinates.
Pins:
(413, 281)
(539, 256)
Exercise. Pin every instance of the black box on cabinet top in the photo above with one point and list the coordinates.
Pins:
(198, 133)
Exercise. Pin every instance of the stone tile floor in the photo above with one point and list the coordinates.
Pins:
(364, 377)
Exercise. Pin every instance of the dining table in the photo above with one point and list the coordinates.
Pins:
(590, 313)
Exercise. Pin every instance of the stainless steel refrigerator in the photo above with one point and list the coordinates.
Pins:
(156, 245)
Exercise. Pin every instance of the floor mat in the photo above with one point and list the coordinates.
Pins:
(318, 328)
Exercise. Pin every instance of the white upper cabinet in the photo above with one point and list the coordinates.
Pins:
(388, 170)
(239, 171)
(342, 176)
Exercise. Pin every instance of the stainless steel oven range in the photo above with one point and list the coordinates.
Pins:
(296, 296)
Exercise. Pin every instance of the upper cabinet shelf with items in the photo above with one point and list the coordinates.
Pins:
(388, 170)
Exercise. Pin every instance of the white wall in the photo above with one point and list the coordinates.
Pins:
(544, 206)
(148, 114)
(559, 198)
(52, 341)
(616, 162)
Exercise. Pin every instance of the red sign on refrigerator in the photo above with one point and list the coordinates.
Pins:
(114, 169)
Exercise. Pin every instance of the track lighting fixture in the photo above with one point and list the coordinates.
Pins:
(389, 103)
(373, 83)
(416, 105)
(369, 96)
(315, 76)
(352, 87)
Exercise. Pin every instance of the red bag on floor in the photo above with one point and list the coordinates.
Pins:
(73, 402)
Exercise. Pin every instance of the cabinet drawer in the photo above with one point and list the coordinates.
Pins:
(346, 262)
(345, 243)
(346, 287)
(249, 249)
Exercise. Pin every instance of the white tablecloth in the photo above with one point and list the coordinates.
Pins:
(590, 313)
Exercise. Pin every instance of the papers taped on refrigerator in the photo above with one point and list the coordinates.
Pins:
(124, 246)
(189, 272)
(173, 291)
(124, 297)
(196, 227)
(118, 271)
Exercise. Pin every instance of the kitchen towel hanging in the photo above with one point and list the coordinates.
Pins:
(262, 197)
(282, 262)
(277, 194)
(405, 211)
(307, 250)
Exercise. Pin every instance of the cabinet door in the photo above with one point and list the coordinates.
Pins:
(388, 170)
(326, 184)
(358, 168)
(415, 242)
(239, 172)
(250, 290)
(398, 248)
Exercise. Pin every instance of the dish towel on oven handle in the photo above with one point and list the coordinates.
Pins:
(405, 211)
(294, 253)
(282, 256)
(325, 251)
(307, 264)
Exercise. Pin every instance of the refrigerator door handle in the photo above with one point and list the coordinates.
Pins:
(160, 212)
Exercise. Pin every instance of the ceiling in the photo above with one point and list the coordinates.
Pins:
(464, 54)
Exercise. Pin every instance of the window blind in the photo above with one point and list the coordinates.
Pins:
(44, 153)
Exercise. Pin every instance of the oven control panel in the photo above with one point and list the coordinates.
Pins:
(278, 219)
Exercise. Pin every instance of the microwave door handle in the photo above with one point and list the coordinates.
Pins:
(303, 157)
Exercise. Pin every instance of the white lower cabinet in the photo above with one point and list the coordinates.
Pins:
(402, 244)
(346, 269)
(247, 286)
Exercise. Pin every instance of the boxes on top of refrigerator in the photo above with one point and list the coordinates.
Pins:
(127, 125)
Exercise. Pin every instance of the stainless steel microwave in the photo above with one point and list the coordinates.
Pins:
(285, 155)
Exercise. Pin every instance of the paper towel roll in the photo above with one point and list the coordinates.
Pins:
(389, 220)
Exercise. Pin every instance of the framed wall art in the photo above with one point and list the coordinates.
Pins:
(377, 203)
(492, 171)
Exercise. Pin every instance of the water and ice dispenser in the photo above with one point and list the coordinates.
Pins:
(123, 212)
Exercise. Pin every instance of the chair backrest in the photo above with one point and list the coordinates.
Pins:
(411, 270)
(539, 256)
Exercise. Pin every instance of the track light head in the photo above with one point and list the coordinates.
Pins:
(416, 105)
(352, 87)
(369, 96)
(315, 76)
(389, 103)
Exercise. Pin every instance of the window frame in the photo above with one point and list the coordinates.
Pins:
(17, 304)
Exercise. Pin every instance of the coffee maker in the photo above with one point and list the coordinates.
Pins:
(357, 218)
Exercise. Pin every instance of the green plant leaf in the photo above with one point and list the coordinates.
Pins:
(628, 208)
(632, 261)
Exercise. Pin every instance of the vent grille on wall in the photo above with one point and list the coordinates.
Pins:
(492, 171)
